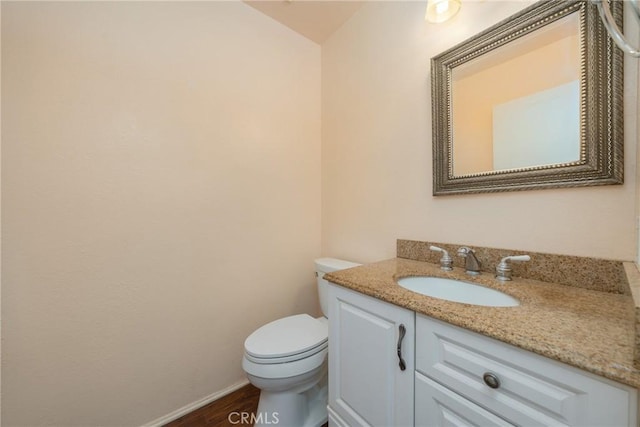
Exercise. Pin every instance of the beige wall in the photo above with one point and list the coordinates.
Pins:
(0, 224)
(161, 200)
(377, 162)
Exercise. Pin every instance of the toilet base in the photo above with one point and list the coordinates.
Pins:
(300, 407)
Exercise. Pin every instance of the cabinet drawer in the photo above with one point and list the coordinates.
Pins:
(437, 406)
(532, 390)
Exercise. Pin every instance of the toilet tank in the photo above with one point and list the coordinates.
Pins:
(327, 265)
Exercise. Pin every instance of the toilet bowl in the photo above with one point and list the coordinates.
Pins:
(287, 360)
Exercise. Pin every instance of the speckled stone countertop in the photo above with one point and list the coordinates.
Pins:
(589, 329)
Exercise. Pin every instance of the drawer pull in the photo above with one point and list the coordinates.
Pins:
(402, 330)
(491, 380)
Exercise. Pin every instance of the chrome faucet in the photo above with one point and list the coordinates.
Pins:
(472, 265)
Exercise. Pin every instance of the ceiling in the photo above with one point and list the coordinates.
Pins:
(314, 19)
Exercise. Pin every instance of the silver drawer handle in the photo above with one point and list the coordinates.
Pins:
(491, 380)
(402, 330)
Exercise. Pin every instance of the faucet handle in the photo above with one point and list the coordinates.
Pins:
(446, 261)
(503, 270)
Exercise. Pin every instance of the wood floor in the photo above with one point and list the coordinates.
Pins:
(224, 412)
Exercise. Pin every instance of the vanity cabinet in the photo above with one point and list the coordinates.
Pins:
(367, 384)
(476, 380)
(452, 376)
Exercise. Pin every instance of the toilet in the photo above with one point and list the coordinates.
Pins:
(287, 360)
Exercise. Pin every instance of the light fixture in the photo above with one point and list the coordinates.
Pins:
(441, 10)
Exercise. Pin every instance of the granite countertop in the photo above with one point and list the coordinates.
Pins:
(589, 329)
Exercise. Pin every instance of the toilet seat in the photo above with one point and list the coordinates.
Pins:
(285, 370)
(286, 359)
(287, 340)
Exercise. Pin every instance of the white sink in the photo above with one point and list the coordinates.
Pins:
(457, 291)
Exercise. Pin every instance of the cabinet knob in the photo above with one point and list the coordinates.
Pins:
(491, 380)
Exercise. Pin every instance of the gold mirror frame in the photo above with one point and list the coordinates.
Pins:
(601, 111)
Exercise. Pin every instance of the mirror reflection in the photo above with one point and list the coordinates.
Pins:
(518, 106)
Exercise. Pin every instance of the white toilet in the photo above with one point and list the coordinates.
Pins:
(287, 360)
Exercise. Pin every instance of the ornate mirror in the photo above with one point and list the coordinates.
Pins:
(533, 102)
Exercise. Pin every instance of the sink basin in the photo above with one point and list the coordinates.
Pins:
(457, 291)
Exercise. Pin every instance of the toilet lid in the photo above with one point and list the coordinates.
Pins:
(285, 337)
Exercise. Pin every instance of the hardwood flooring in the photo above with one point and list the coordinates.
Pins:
(219, 412)
(224, 412)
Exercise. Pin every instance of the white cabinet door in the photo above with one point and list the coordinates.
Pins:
(367, 386)
(437, 406)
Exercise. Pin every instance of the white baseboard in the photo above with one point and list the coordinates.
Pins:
(195, 405)
(334, 419)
